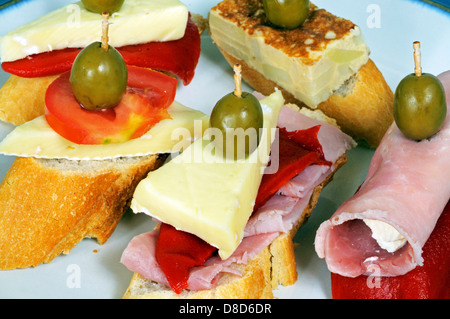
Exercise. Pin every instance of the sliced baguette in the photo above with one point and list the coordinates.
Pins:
(47, 206)
(275, 265)
(22, 99)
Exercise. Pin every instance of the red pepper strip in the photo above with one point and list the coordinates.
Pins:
(308, 138)
(297, 150)
(42, 64)
(177, 252)
(179, 57)
(430, 281)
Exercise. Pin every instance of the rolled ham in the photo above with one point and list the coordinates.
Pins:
(407, 186)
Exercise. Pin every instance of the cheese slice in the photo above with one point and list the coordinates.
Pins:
(73, 26)
(202, 193)
(37, 139)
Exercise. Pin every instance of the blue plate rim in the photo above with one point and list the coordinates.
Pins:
(440, 4)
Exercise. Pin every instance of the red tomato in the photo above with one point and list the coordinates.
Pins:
(145, 102)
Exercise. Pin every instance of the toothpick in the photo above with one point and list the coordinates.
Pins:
(418, 68)
(105, 26)
(237, 80)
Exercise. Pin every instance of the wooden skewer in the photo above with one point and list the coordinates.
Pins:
(105, 27)
(417, 68)
(237, 80)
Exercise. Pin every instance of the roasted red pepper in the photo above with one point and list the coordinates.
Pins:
(177, 252)
(297, 150)
(430, 281)
(179, 57)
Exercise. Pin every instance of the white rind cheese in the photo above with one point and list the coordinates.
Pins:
(386, 235)
(201, 193)
(37, 139)
(72, 26)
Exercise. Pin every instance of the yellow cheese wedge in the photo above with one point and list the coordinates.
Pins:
(201, 193)
(37, 139)
(72, 26)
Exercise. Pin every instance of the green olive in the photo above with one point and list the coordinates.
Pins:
(101, 6)
(232, 113)
(419, 106)
(288, 14)
(98, 77)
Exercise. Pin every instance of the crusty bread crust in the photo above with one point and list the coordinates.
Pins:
(23, 99)
(48, 206)
(364, 111)
(275, 265)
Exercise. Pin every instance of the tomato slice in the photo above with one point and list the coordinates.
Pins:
(179, 57)
(149, 93)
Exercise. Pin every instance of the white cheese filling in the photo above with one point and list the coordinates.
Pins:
(386, 235)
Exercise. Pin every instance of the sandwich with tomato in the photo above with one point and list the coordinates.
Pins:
(162, 35)
(106, 125)
(225, 224)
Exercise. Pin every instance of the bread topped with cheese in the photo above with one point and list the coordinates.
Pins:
(218, 202)
(323, 64)
(58, 192)
(275, 265)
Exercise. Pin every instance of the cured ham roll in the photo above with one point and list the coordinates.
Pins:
(397, 206)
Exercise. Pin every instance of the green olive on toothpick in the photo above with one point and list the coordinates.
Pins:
(101, 6)
(99, 74)
(419, 102)
(287, 14)
(239, 117)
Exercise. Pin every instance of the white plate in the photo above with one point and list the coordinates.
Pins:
(94, 271)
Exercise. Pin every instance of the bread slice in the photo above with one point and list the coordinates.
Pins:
(362, 106)
(22, 99)
(47, 206)
(275, 265)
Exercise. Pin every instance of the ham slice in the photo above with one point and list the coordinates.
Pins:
(407, 186)
(276, 216)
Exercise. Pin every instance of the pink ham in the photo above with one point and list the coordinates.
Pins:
(275, 217)
(139, 256)
(407, 186)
